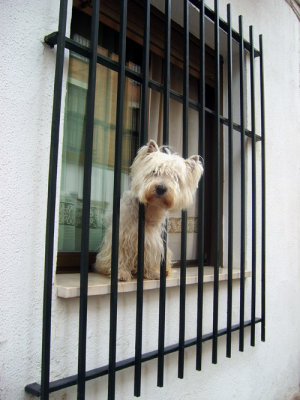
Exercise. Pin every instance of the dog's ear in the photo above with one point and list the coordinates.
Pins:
(196, 158)
(152, 147)
(192, 161)
(195, 166)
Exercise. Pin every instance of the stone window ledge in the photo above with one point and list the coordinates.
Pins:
(68, 286)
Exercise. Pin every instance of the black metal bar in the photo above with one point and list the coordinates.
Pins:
(116, 205)
(167, 73)
(230, 184)
(88, 152)
(243, 191)
(184, 212)
(185, 81)
(182, 294)
(114, 65)
(263, 193)
(35, 388)
(209, 13)
(139, 302)
(107, 62)
(141, 227)
(48, 275)
(166, 111)
(162, 317)
(201, 197)
(145, 75)
(217, 185)
(253, 280)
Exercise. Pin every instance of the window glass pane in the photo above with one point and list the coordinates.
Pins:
(103, 145)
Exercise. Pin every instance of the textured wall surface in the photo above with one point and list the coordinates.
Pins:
(269, 371)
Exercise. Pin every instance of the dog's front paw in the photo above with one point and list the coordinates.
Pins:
(152, 274)
(124, 275)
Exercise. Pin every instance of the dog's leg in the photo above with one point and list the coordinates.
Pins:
(153, 272)
(103, 259)
(169, 262)
(124, 274)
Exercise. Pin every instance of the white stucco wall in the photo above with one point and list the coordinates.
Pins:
(269, 371)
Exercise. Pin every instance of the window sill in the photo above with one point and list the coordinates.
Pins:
(68, 285)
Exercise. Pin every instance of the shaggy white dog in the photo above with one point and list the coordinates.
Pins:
(162, 181)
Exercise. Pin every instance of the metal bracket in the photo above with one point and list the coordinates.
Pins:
(51, 39)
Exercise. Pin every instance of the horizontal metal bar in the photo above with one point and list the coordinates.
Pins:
(35, 388)
(137, 76)
(51, 39)
(197, 106)
(210, 14)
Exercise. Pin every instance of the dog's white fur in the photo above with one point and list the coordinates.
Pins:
(162, 181)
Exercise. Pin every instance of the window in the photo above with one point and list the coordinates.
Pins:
(218, 145)
(105, 124)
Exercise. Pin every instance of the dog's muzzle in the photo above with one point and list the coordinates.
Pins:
(160, 190)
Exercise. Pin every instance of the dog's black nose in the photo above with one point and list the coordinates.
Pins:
(160, 190)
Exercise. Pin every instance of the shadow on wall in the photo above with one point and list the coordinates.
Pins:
(296, 396)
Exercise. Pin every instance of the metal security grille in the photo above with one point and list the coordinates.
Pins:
(62, 42)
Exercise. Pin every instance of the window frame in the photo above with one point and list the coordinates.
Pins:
(69, 261)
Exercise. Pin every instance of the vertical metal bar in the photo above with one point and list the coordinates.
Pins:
(230, 184)
(139, 303)
(201, 204)
(48, 275)
(217, 185)
(162, 313)
(146, 57)
(167, 73)
(162, 288)
(253, 280)
(116, 205)
(141, 227)
(243, 191)
(184, 212)
(263, 193)
(88, 153)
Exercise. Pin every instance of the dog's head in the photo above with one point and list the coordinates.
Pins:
(164, 179)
